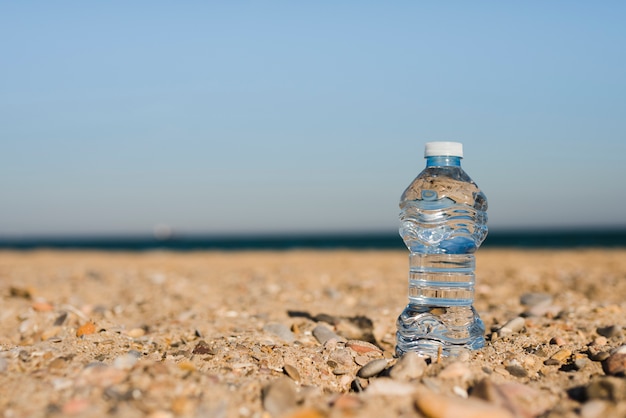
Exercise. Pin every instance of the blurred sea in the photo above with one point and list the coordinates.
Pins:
(363, 241)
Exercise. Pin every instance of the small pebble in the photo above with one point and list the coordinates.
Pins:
(610, 331)
(356, 385)
(549, 311)
(620, 350)
(388, 387)
(329, 319)
(535, 299)
(607, 388)
(372, 368)
(599, 356)
(292, 372)
(279, 396)
(516, 370)
(362, 360)
(60, 319)
(362, 346)
(42, 306)
(455, 370)
(345, 381)
(281, 331)
(341, 357)
(136, 332)
(459, 391)
(615, 364)
(580, 363)
(557, 341)
(538, 304)
(520, 399)
(600, 341)
(323, 334)
(410, 366)
(203, 348)
(24, 355)
(433, 405)
(514, 325)
(126, 361)
(561, 355)
(86, 329)
(4, 365)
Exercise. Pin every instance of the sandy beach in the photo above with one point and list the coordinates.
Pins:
(302, 334)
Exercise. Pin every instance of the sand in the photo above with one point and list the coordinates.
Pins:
(231, 334)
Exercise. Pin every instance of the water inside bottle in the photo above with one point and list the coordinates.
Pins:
(443, 221)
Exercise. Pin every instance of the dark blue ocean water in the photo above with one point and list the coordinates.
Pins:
(362, 241)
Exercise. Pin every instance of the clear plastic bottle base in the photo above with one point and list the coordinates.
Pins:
(439, 331)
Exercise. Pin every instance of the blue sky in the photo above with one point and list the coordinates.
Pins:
(235, 117)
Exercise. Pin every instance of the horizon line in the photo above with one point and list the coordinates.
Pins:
(175, 235)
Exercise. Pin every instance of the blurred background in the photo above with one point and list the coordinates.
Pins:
(280, 118)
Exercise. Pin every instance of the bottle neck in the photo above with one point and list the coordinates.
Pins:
(443, 161)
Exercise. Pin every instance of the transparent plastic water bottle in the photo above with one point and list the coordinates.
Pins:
(443, 220)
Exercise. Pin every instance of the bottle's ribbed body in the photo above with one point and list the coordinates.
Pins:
(441, 279)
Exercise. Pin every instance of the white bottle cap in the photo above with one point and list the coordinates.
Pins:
(443, 149)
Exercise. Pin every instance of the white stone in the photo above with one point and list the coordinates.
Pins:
(389, 387)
